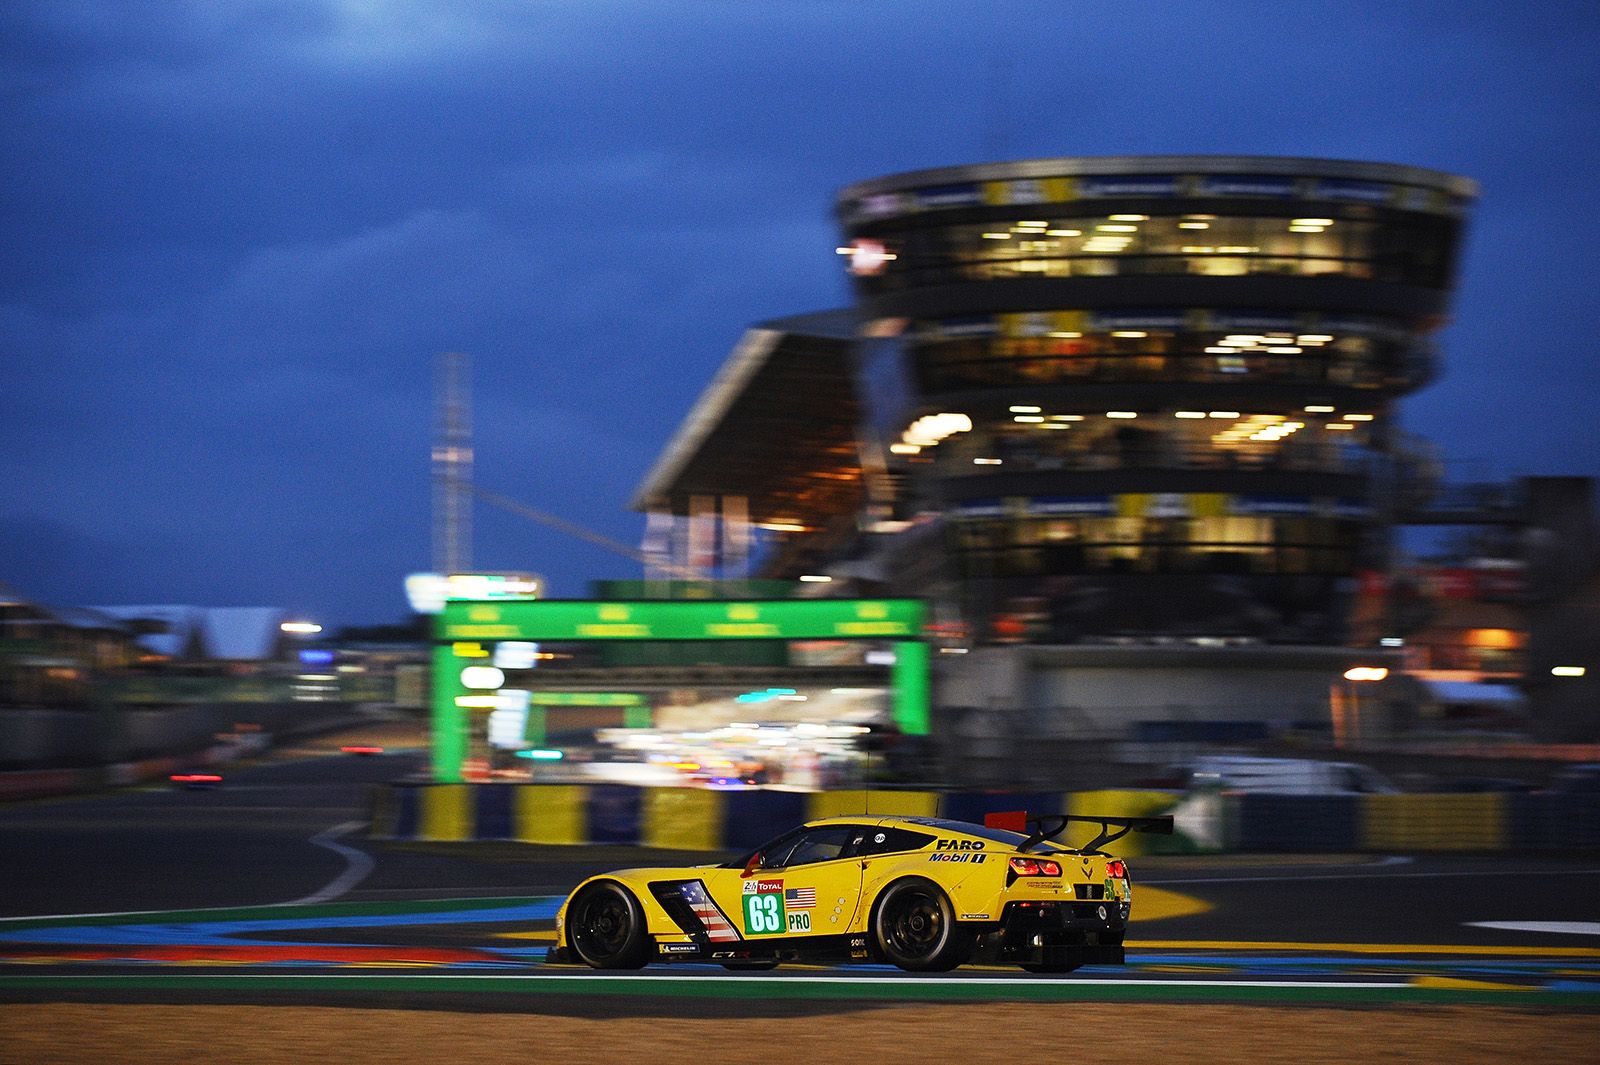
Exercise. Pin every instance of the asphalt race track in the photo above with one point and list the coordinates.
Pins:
(263, 891)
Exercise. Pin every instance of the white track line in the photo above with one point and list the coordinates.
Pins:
(361, 864)
(863, 981)
(1574, 928)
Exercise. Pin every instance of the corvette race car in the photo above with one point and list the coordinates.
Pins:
(923, 893)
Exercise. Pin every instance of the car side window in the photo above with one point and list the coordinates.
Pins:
(822, 844)
(894, 841)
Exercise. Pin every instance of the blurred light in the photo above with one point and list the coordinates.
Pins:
(997, 236)
(1121, 414)
(1358, 417)
(1318, 408)
(1066, 417)
(1063, 232)
(1567, 671)
(1117, 229)
(1026, 410)
(315, 657)
(301, 628)
(904, 449)
(1314, 338)
(478, 702)
(1190, 414)
(1311, 222)
(1366, 673)
(1130, 334)
(1028, 418)
(1223, 414)
(986, 462)
(816, 578)
(1392, 641)
(515, 654)
(482, 677)
(1129, 217)
(880, 658)
(780, 526)
(1339, 425)
(541, 754)
(1194, 225)
(469, 650)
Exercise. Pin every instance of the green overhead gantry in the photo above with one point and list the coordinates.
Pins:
(464, 626)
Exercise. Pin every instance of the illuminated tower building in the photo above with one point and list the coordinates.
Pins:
(1180, 375)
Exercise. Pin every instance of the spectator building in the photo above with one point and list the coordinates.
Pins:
(1131, 424)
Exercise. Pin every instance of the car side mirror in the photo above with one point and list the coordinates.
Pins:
(753, 864)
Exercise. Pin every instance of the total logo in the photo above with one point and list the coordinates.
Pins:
(762, 887)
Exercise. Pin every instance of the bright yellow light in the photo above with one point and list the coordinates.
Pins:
(1028, 418)
(1318, 408)
(1311, 222)
(1066, 417)
(1288, 349)
(1063, 232)
(781, 526)
(1194, 225)
(816, 578)
(1567, 671)
(1121, 414)
(1032, 225)
(1025, 410)
(1358, 417)
(1314, 338)
(1103, 228)
(1190, 414)
(1223, 414)
(904, 449)
(986, 462)
(469, 650)
(997, 236)
(1361, 673)
(1065, 334)
(1129, 334)
(301, 628)
(1129, 217)
(1339, 425)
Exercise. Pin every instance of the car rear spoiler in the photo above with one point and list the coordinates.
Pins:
(1041, 827)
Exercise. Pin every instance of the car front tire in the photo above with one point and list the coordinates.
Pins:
(605, 927)
(914, 927)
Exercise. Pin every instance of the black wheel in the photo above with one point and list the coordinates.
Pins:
(753, 966)
(605, 927)
(914, 927)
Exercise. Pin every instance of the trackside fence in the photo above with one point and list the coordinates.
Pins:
(703, 820)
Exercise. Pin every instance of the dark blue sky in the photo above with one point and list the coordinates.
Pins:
(237, 235)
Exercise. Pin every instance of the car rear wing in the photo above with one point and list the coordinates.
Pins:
(1041, 827)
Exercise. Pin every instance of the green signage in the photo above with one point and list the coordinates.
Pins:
(585, 699)
(766, 619)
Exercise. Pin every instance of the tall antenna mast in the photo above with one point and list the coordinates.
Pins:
(452, 464)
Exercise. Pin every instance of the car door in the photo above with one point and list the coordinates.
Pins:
(807, 883)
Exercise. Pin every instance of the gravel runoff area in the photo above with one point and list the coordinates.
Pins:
(49, 1033)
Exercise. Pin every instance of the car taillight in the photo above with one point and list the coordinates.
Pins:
(1115, 868)
(1035, 867)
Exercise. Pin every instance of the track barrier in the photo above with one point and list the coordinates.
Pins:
(707, 820)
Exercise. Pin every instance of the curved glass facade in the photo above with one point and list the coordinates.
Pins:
(1177, 378)
(1408, 250)
(1080, 346)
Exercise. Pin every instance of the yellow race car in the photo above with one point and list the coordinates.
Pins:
(923, 893)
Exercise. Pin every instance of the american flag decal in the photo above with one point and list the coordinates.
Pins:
(800, 898)
(718, 930)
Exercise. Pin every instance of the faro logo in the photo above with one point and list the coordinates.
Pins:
(961, 845)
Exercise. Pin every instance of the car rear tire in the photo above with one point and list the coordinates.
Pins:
(914, 927)
(605, 927)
